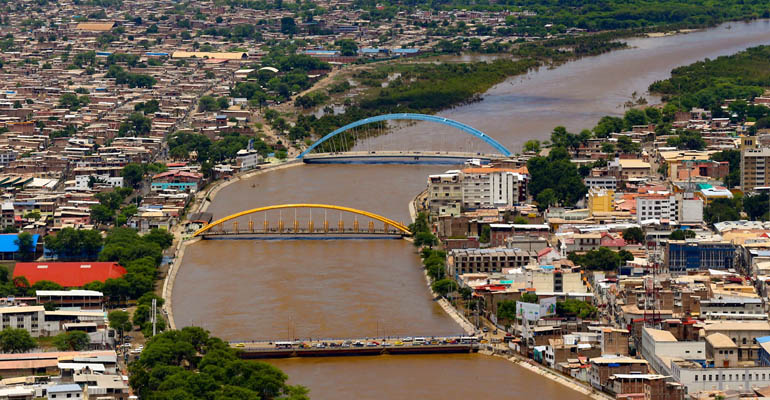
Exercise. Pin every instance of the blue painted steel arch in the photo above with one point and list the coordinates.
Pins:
(419, 117)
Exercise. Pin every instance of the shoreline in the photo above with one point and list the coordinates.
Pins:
(207, 198)
(554, 376)
(516, 359)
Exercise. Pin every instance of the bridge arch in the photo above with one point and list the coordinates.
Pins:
(399, 226)
(417, 117)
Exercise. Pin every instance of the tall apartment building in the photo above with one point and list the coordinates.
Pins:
(445, 193)
(755, 164)
(492, 187)
(682, 208)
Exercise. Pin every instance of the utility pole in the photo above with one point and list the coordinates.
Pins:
(154, 316)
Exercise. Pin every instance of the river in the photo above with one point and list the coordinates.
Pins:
(243, 290)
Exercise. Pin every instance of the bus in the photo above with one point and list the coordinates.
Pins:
(284, 345)
(469, 339)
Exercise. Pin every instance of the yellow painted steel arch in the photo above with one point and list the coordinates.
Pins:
(401, 227)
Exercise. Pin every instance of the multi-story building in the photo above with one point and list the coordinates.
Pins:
(29, 318)
(555, 280)
(743, 335)
(609, 182)
(600, 200)
(682, 256)
(445, 193)
(492, 187)
(468, 261)
(717, 307)
(661, 207)
(247, 159)
(755, 164)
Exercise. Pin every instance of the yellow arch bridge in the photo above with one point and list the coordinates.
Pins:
(218, 227)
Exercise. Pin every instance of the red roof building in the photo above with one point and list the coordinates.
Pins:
(69, 274)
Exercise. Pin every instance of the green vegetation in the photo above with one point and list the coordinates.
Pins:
(119, 321)
(136, 125)
(722, 210)
(733, 157)
(73, 340)
(73, 102)
(181, 144)
(74, 244)
(706, 84)
(680, 234)
(444, 286)
(417, 88)
(576, 309)
(555, 179)
(571, 47)
(421, 231)
(16, 341)
(687, 140)
(633, 235)
(602, 259)
(190, 364)
(132, 80)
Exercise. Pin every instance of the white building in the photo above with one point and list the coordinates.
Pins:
(29, 318)
(492, 187)
(247, 159)
(695, 378)
(671, 208)
(68, 391)
(608, 182)
(81, 181)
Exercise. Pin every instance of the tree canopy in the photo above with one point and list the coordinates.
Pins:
(192, 364)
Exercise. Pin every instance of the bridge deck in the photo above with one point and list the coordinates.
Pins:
(351, 347)
(306, 232)
(398, 157)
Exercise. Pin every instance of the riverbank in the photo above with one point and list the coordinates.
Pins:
(552, 375)
(203, 200)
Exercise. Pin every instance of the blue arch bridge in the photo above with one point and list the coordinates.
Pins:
(400, 157)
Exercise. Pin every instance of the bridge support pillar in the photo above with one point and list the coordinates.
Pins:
(355, 225)
(266, 226)
(310, 227)
(371, 226)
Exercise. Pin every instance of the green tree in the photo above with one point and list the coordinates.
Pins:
(348, 47)
(16, 341)
(161, 237)
(626, 145)
(545, 199)
(634, 117)
(721, 210)
(133, 174)
(506, 311)
(557, 173)
(425, 239)
(756, 206)
(633, 235)
(74, 340)
(288, 26)
(26, 244)
(119, 321)
(485, 233)
(444, 287)
(136, 125)
(532, 146)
